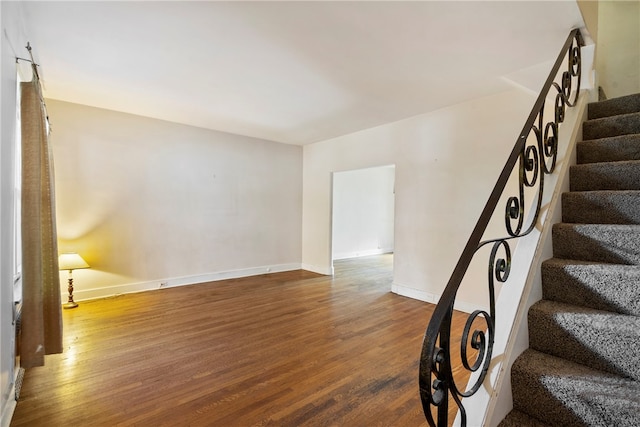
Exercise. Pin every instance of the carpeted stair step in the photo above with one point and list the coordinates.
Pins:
(623, 175)
(614, 149)
(583, 364)
(608, 243)
(599, 339)
(615, 106)
(601, 207)
(605, 127)
(563, 393)
(517, 418)
(610, 287)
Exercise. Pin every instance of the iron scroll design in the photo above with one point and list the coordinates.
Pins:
(534, 157)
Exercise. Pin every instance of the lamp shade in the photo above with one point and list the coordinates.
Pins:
(71, 261)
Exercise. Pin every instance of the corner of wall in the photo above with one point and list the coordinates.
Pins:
(327, 271)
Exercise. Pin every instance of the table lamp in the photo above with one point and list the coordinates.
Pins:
(71, 261)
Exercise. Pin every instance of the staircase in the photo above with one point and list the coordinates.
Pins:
(582, 367)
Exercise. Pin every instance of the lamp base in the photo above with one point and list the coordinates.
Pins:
(70, 305)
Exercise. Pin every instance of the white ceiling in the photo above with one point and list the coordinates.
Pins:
(292, 72)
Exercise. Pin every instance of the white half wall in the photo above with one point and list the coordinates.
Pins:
(446, 165)
(363, 209)
(148, 202)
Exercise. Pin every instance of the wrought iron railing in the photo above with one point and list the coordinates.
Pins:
(534, 159)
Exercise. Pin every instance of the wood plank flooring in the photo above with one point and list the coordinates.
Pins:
(286, 349)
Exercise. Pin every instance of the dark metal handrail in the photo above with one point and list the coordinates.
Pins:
(534, 159)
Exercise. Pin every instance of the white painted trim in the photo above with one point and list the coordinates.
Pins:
(327, 271)
(414, 293)
(127, 288)
(368, 252)
(409, 292)
(10, 407)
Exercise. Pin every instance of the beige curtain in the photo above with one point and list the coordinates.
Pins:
(41, 305)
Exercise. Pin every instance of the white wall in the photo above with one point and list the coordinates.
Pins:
(147, 201)
(618, 51)
(446, 165)
(363, 209)
(589, 11)
(13, 42)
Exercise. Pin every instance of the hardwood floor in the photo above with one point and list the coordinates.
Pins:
(287, 349)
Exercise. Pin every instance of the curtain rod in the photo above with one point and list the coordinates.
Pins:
(28, 46)
(32, 61)
(35, 66)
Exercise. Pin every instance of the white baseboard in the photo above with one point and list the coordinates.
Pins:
(327, 271)
(409, 292)
(406, 291)
(9, 407)
(356, 254)
(127, 288)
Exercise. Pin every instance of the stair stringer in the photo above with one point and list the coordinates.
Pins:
(494, 400)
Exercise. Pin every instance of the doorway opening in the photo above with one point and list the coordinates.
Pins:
(363, 214)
